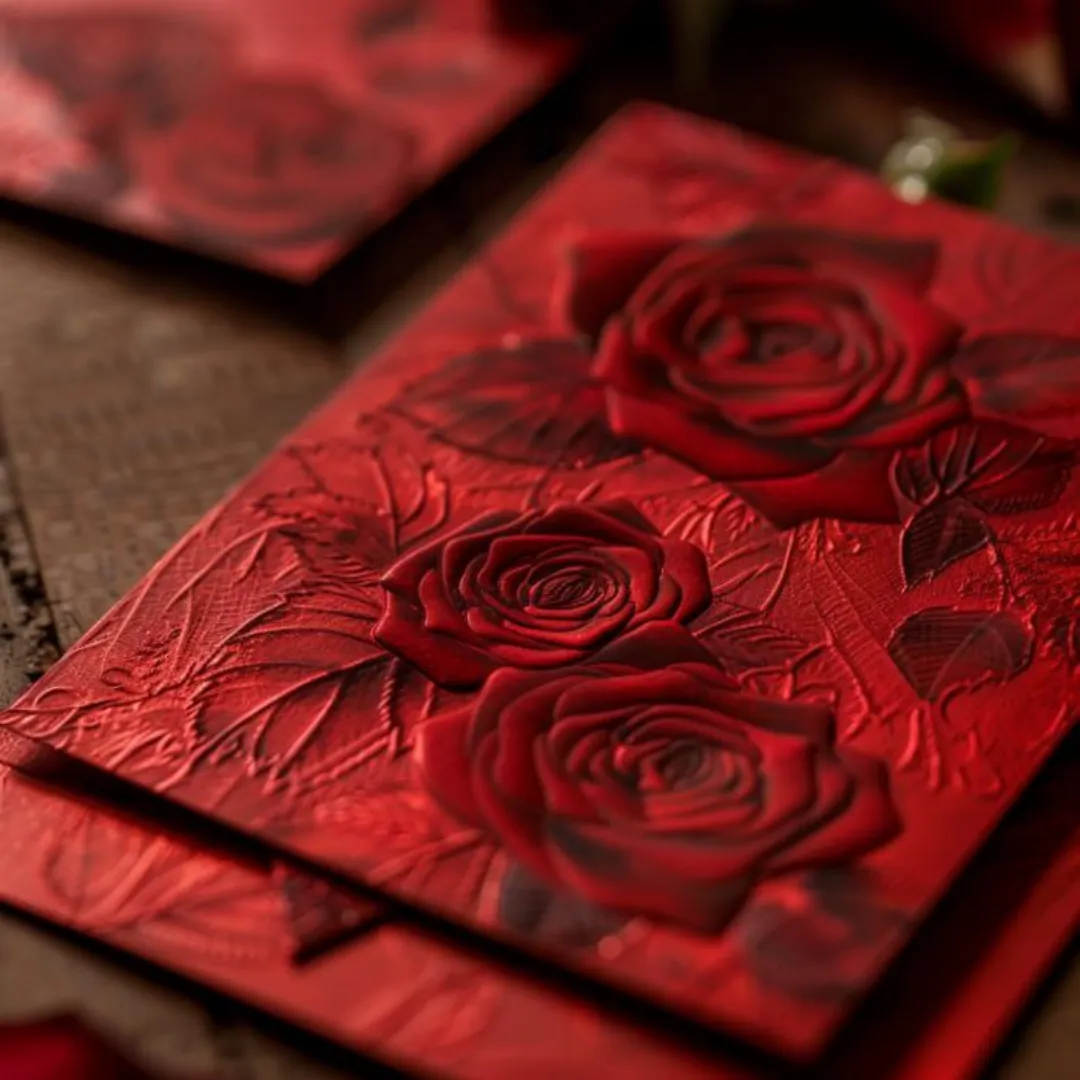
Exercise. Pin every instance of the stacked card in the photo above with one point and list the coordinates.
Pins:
(271, 133)
(643, 667)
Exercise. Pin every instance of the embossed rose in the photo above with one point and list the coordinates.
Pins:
(779, 361)
(116, 69)
(277, 162)
(536, 590)
(646, 781)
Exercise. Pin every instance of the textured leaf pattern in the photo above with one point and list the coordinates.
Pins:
(938, 536)
(749, 644)
(942, 650)
(532, 405)
(665, 646)
(113, 877)
(1030, 378)
(313, 707)
(999, 469)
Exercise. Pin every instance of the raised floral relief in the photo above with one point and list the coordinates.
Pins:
(116, 70)
(791, 365)
(536, 590)
(779, 361)
(277, 161)
(686, 635)
(648, 782)
(222, 129)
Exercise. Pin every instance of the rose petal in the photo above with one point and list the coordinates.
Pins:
(600, 273)
(929, 336)
(445, 763)
(658, 645)
(527, 643)
(445, 660)
(622, 366)
(639, 688)
(519, 826)
(522, 723)
(686, 564)
(792, 797)
(531, 657)
(866, 822)
(521, 548)
(717, 451)
(578, 520)
(812, 722)
(901, 427)
(460, 548)
(441, 615)
(627, 880)
(780, 401)
(596, 793)
(854, 486)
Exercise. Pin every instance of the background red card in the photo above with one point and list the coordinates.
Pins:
(262, 131)
(667, 590)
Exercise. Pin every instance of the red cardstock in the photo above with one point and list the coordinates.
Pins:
(683, 598)
(268, 132)
(411, 1001)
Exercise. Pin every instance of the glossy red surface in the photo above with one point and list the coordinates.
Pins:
(60, 1048)
(719, 728)
(414, 1002)
(265, 132)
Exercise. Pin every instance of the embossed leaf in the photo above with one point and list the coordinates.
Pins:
(938, 536)
(298, 692)
(1028, 379)
(393, 821)
(531, 908)
(1002, 470)
(339, 541)
(360, 500)
(439, 1004)
(940, 650)
(532, 405)
(752, 644)
(115, 875)
(1046, 557)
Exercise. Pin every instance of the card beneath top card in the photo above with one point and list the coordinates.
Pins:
(683, 597)
(267, 132)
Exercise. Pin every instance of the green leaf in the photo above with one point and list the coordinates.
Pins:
(972, 175)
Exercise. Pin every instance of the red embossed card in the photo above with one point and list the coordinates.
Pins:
(344, 969)
(697, 574)
(268, 132)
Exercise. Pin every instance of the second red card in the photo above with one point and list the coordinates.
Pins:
(265, 132)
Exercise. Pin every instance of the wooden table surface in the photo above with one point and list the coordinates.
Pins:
(136, 387)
